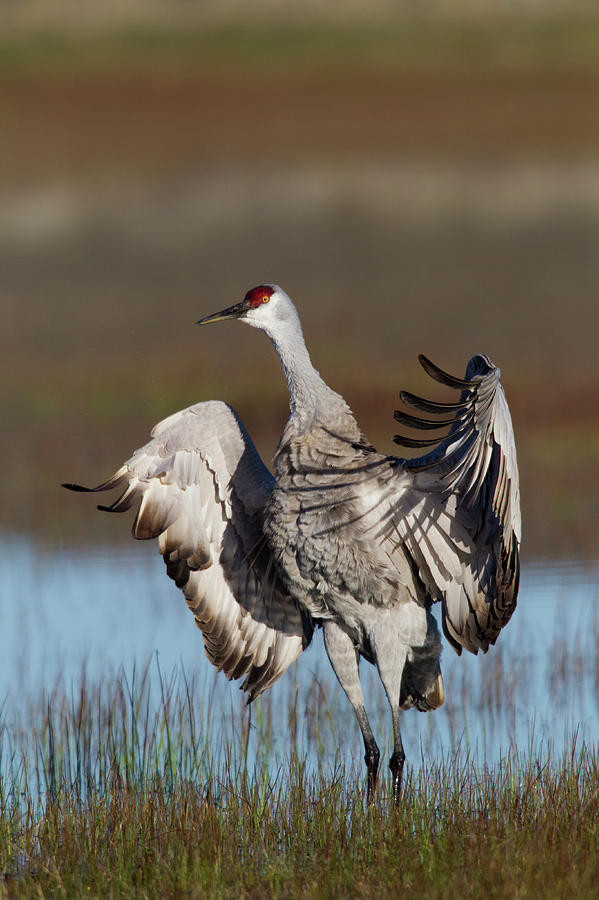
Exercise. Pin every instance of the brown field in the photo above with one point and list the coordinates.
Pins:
(153, 121)
(147, 123)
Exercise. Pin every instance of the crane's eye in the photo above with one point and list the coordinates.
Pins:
(265, 298)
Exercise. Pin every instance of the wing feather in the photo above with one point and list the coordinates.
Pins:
(201, 488)
(457, 509)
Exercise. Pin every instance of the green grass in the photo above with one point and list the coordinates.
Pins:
(483, 42)
(527, 832)
(105, 793)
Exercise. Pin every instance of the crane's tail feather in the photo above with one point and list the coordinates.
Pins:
(422, 693)
(421, 679)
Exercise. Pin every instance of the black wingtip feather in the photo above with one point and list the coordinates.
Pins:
(442, 377)
(435, 407)
(416, 422)
(76, 487)
(414, 442)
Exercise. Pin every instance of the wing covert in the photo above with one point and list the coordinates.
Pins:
(456, 512)
(201, 488)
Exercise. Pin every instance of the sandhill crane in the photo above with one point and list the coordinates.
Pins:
(343, 537)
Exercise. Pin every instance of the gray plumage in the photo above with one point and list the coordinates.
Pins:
(356, 541)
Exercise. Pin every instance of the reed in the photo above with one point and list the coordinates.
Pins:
(138, 785)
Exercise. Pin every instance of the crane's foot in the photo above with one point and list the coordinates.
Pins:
(396, 765)
(371, 758)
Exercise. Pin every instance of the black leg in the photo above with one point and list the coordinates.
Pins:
(371, 758)
(396, 765)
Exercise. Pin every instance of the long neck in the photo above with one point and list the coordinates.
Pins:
(310, 398)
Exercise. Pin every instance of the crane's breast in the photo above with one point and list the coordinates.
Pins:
(321, 523)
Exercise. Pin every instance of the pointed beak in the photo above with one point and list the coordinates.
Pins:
(232, 312)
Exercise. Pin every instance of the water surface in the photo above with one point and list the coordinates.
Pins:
(102, 609)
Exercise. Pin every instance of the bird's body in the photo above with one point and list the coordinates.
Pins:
(343, 536)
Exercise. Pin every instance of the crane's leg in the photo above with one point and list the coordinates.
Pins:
(344, 660)
(390, 657)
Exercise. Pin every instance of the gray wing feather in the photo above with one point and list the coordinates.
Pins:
(456, 512)
(201, 488)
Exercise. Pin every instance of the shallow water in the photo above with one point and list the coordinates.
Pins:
(98, 609)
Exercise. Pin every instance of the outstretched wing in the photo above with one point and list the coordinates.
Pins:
(456, 516)
(201, 488)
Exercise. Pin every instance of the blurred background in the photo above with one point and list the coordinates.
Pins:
(420, 177)
(417, 181)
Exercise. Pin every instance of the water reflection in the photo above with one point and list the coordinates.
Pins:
(100, 609)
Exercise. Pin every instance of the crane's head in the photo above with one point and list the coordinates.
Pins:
(266, 307)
